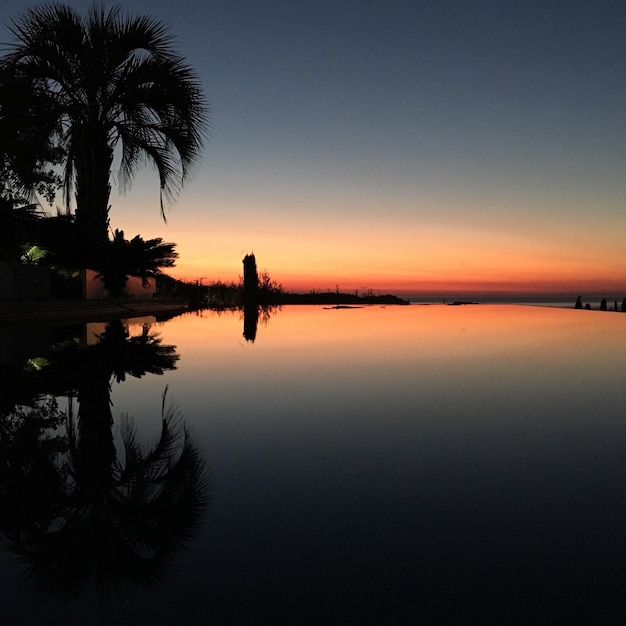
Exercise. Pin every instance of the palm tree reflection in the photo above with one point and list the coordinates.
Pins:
(78, 512)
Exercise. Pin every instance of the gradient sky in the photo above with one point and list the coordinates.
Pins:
(437, 147)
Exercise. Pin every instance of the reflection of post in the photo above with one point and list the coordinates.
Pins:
(250, 276)
(250, 321)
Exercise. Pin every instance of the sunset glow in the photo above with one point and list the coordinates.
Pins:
(406, 258)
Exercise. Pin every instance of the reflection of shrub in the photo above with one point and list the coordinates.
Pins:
(31, 448)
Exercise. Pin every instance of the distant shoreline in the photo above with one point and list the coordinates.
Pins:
(334, 298)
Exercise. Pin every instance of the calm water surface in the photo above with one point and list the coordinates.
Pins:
(422, 464)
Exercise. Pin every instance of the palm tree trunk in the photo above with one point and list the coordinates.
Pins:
(93, 187)
(96, 450)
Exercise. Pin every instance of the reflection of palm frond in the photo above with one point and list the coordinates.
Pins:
(120, 531)
(137, 356)
(170, 481)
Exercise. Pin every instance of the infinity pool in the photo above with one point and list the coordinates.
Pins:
(399, 465)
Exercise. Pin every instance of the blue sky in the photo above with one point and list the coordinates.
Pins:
(400, 145)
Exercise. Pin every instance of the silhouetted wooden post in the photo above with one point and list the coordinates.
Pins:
(250, 276)
(250, 297)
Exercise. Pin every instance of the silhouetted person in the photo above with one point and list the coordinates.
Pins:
(603, 305)
(624, 305)
(588, 306)
(579, 304)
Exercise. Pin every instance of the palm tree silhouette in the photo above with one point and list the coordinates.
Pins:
(136, 257)
(76, 511)
(108, 81)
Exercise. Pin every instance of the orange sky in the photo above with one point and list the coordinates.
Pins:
(444, 252)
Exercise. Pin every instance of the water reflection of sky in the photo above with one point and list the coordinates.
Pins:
(398, 462)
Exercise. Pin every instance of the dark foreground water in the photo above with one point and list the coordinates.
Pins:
(423, 464)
